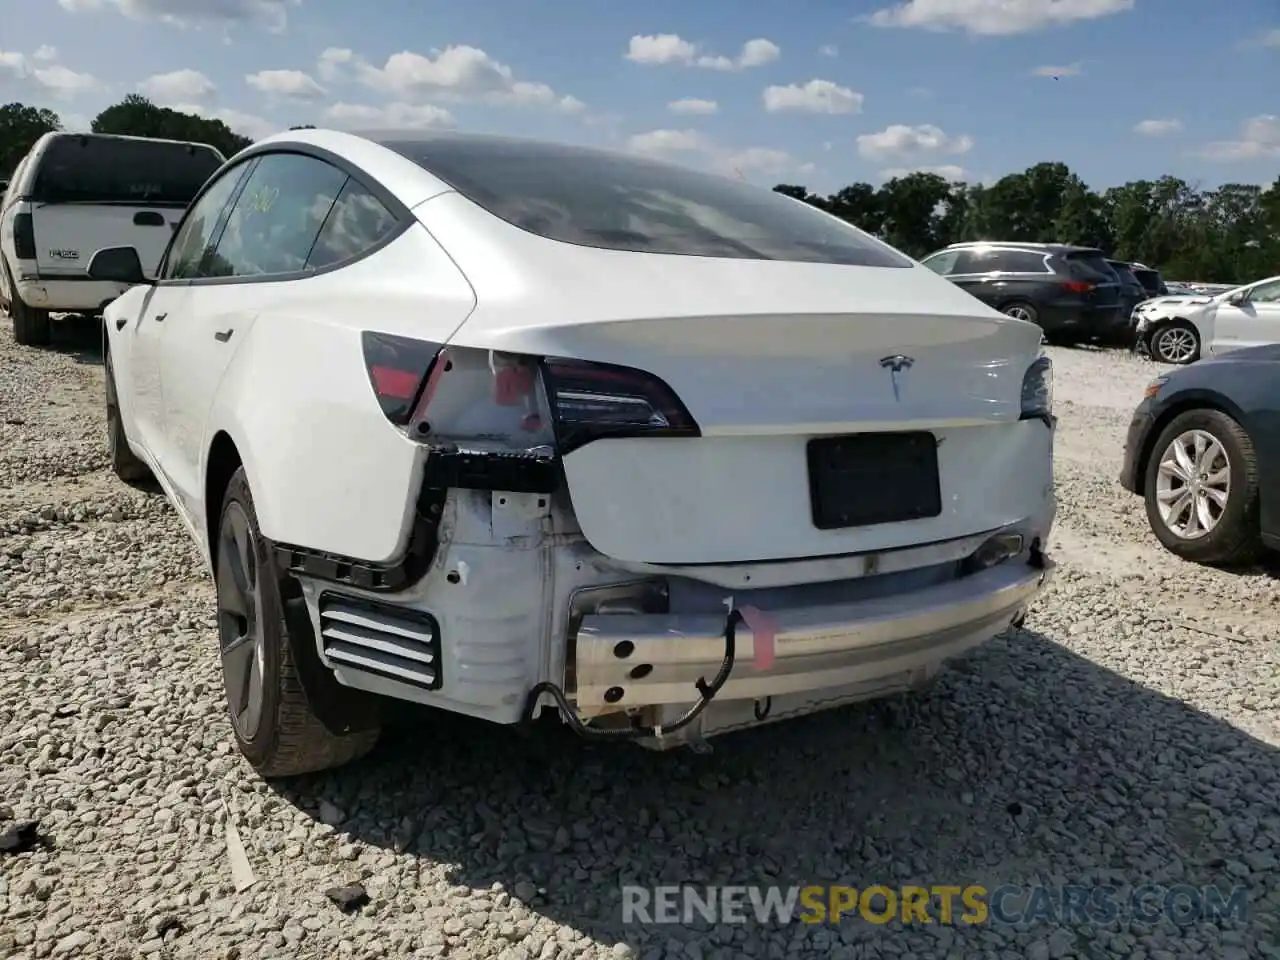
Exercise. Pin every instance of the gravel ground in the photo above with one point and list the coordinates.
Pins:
(1126, 736)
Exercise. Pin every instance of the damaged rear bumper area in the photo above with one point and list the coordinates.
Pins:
(792, 661)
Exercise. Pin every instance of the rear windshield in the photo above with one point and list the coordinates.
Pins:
(1091, 263)
(618, 202)
(110, 170)
(1150, 279)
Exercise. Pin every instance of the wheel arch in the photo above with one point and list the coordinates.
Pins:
(1199, 400)
(221, 463)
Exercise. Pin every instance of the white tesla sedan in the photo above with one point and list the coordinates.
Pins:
(499, 426)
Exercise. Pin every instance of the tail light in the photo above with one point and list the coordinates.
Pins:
(24, 237)
(398, 370)
(1078, 286)
(590, 401)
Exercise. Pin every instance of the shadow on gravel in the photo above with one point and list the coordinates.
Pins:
(1022, 758)
(81, 339)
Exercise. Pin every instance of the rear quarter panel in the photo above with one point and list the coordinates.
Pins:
(328, 472)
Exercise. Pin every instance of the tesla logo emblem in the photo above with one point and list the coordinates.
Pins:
(895, 365)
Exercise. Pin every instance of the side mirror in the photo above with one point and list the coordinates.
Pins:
(1237, 299)
(117, 264)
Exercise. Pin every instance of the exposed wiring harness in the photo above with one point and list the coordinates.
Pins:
(706, 693)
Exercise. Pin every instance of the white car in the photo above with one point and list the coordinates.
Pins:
(74, 193)
(498, 426)
(1181, 329)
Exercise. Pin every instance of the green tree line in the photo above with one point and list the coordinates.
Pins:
(1227, 235)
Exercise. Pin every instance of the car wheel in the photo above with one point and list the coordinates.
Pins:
(30, 326)
(1201, 489)
(274, 726)
(1177, 343)
(125, 464)
(1021, 310)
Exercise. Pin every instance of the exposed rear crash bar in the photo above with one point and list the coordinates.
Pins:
(815, 647)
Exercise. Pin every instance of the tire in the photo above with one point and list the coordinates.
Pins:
(278, 733)
(1234, 536)
(1021, 310)
(125, 464)
(1162, 343)
(30, 326)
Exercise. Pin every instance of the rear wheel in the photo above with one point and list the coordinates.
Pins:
(30, 326)
(124, 462)
(273, 724)
(1201, 489)
(1021, 310)
(1177, 343)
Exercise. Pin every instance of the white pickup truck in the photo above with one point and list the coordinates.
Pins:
(76, 193)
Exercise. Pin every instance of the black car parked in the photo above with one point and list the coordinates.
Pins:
(1070, 292)
(1150, 279)
(1132, 292)
(1201, 451)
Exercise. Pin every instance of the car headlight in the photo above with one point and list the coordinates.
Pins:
(1037, 389)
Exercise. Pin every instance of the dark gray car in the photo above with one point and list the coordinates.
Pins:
(1070, 292)
(1202, 451)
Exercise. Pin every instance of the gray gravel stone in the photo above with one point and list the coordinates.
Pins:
(1133, 725)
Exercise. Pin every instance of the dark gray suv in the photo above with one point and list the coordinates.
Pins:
(1070, 292)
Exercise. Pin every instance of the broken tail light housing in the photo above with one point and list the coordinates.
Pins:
(590, 401)
(398, 370)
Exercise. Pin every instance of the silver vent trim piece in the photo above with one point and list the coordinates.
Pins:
(380, 639)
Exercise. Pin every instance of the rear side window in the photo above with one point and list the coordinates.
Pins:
(1150, 280)
(994, 259)
(942, 263)
(357, 222)
(96, 169)
(277, 217)
(594, 198)
(1091, 265)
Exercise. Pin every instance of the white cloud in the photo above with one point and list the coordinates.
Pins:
(816, 96)
(1268, 38)
(829, 50)
(53, 79)
(45, 52)
(692, 105)
(1158, 128)
(995, 17)
(180, 86)
(947, 171)
(355, 116)
(668, 141)
(285, 84)
(246, 124)
(332, 61)
(1070, 70)
(729, 161)
(903, 143)
(670, 48)
(1259, 139)
(65, 83)
(272, 14)
(456, 73)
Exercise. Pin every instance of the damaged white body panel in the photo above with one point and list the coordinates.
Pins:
(711, 461)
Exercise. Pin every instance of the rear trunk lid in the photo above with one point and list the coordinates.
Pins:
(768, 356)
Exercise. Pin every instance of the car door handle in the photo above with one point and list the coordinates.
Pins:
(160, 317)
(222, 336)
(120, 322)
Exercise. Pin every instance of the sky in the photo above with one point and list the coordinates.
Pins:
(818, 93)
